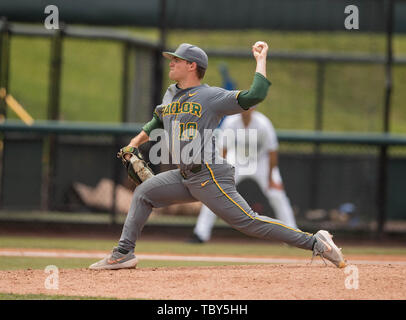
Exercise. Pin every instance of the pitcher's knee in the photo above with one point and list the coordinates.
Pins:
(242, 223)
(140, 195)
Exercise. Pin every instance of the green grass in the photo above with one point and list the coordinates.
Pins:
(175, 247)
(85, 217)
(19, 263)
(179, 247)
(55, 243)
(91, 77)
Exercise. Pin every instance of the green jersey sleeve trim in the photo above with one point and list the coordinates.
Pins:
(256, 94)
(155, 123)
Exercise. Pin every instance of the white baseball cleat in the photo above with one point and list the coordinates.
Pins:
(326, 248)
(116, 260)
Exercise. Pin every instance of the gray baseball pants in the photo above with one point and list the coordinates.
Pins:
(214, 186)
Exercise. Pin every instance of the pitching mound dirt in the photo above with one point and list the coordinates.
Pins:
(254, 282)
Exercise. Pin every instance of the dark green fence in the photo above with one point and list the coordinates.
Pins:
(315, 15)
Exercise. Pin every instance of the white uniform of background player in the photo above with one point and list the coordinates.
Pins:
(266, 159)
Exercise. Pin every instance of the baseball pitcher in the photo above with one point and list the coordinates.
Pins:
(189, 114)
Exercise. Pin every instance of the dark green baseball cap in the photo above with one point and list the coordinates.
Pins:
(189, 53)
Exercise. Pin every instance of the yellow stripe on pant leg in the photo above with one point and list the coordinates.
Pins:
(215, 181)
(272, 222)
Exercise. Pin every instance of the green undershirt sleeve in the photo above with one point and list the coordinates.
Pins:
(256, 94)
(155, 123)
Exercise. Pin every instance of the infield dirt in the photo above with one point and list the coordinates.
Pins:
(247, 282)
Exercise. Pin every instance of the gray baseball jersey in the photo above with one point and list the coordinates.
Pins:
(190, 117)
(186, 114)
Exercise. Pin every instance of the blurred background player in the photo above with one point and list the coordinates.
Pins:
(265, 158)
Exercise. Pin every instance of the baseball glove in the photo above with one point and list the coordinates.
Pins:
(137, 169)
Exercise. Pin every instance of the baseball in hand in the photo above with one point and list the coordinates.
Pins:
(260, 49)
(259, 46)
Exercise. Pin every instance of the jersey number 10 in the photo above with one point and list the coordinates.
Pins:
(187, 131)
